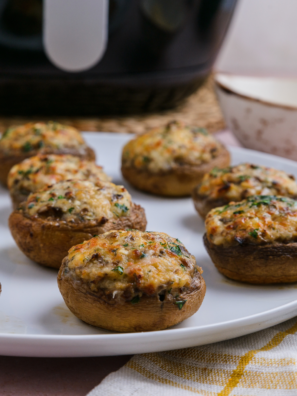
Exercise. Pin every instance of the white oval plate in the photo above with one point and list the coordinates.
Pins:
(34, 320)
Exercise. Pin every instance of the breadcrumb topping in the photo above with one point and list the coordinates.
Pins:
(169, 147)
(256, 220)
(80, 201)
(35, 173)
(241, 181)
(132, 263)
(42, 137)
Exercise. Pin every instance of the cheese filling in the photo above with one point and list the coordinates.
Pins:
(125, 263)
(256, 220)
(80, 201)
(35, 173)
(238, 182)
(41, 136)
(170, 147)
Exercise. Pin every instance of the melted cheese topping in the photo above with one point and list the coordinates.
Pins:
(35, 173)
(170, 147)
(256, 220)
(80, 201)
(132, 262)
(42, 137)
(238, 182)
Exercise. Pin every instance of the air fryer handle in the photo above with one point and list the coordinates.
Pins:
(75, 32)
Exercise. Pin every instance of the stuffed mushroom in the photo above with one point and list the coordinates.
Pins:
(21, 142)
(221, 186)
(131, 281)
(172, 160)
(54, 219)
(35, 173)
(255, 240)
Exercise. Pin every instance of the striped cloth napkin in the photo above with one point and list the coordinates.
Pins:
(260, 364)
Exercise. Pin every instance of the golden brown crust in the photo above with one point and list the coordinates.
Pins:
(262, 264)
(175, 183)
(47, 243)
(149, 314)
(236, 183)
(8, 161)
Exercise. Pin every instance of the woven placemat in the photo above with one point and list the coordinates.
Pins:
(200, 109)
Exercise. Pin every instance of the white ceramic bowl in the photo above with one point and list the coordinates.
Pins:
(261, 112)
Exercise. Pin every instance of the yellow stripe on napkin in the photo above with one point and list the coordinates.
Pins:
(260, 364)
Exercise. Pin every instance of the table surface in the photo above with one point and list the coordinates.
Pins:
(22, 376)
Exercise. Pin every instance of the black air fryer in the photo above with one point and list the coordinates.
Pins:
(100, 57)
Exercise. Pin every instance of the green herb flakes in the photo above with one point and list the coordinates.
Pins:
(6, 133)
(203, 131)
(244, 177)
(176, 249)
(51, 199)
(135, 300)
(31, 205)
(180, 304)
(27, 147)
(238, 212)
(123, 207)
(254, 233)
(119, 269)
(70, 210)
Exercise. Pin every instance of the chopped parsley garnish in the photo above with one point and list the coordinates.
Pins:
(183, 267)
(119, 269)
(163, 244)
(126, 244)
(238, 212)
(254, 233)
(30, 206)
(123, 207)
(200, 130)
(217, 170)
(49, 162)
(286, 200)
(142, 245)
(135, 300)
(70, 210)
(176, 249)
(27, 172)
(178, 240)
(51, 199)
(142, 255)
(244, 177)
(37, 131)
(180, 304)
(5, 134)
(224, 209)
(27, 147)
(61, 197)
